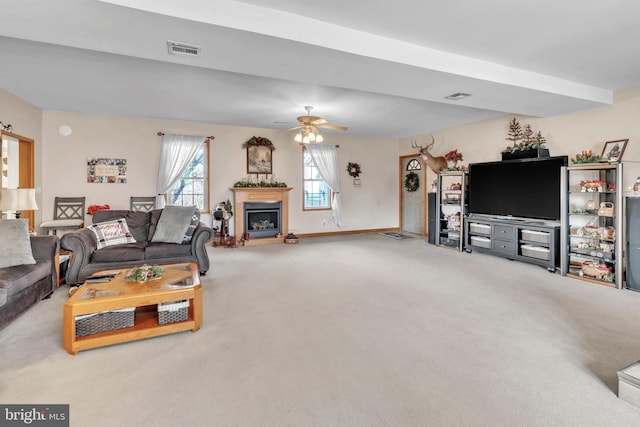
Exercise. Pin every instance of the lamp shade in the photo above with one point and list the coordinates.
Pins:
(18, 199)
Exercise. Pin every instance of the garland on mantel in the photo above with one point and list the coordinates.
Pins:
(261, 184)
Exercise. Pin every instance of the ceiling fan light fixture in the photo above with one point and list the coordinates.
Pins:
(309, 128)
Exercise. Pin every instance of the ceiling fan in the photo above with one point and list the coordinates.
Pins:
(309, 125)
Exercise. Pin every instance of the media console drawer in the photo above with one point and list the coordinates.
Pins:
(504, 246)
(501, 231)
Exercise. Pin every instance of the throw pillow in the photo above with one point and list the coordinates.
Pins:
(173, 224)
(110, 233)
(195, 220)
(15, 244)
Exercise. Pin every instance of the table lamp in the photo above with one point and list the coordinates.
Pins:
(18, 200)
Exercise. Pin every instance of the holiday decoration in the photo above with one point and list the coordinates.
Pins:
(530, 140)
(354, 170)
(248, 183)
(453, 157)
(258, 141)
(411, 181)
(586, 156)
(515, 131)
(527, 135)
(144, 273)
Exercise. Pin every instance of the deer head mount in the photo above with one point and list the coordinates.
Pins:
(435, 163)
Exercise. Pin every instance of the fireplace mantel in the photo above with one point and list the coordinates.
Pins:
(260, 194)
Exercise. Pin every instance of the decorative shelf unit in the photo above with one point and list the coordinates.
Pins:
(592, 209)
(451, 208)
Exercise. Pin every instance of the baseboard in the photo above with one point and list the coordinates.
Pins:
(340, 233)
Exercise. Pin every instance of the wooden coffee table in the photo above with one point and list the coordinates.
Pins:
(179, 282)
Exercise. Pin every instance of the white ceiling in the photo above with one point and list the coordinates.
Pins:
(381, 68)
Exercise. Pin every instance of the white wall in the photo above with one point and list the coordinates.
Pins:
(136, 140)
(567, 134)
(61, 161)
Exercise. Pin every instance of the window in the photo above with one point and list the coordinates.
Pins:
(414, 165)
(192, 189)
(317, 194)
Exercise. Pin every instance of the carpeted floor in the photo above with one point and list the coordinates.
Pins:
(350, 331)
(397, 236)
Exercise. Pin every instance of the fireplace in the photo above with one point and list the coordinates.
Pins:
(264, 198)
(262, 219)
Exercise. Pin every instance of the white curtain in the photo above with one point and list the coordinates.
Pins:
(325, 157)
(178, 151)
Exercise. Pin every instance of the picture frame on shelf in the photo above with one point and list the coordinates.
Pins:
(613, 151)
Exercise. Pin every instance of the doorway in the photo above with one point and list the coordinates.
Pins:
(412, 199)
(17, 165)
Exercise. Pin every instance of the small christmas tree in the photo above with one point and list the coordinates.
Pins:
(527, 135)
(539, 140)
(515, 131)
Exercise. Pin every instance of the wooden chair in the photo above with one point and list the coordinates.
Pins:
(142, 204)
(68, 214)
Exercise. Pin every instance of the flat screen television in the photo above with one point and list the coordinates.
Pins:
(526, 188)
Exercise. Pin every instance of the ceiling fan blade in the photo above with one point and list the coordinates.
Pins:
(334, 127)
(307, 120)
(290, 129)
(318, 121)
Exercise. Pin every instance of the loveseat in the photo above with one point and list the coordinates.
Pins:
(23, 285)
(138, 248)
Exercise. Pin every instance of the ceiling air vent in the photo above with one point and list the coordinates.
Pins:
(458, 96)
(177, 48)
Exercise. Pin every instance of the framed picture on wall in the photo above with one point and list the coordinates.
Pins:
(613, 150)
(259, 159)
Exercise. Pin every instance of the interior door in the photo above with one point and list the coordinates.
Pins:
(413, 202)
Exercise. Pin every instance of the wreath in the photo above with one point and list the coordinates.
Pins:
(354, 169)
(411, 181)
(258, 141)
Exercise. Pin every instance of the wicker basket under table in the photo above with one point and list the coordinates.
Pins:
(177, 311)
(96, 323)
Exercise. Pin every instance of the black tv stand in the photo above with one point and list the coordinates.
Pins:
(528, 240)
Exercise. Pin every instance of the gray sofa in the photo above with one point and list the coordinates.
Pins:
(21, 286)
(86, 259)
